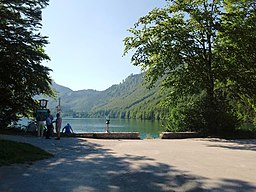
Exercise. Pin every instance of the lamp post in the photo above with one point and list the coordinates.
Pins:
(58, 107)
(41, 115)
(43, 103)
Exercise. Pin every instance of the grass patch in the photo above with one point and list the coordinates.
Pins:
(15, 152)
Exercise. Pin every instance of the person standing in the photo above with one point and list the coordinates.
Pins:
(40, 129)
(52, 129)
(48, 125)
(40, 124)
(58, 125)
(107, 124)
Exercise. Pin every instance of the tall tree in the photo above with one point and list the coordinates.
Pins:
(237, 53)
(183, 43)
(22, 76)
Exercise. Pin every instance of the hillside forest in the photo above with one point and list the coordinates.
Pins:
(130, 99)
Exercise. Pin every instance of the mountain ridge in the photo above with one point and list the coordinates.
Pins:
(128, 99)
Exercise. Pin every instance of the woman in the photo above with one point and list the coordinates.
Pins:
(58, 125)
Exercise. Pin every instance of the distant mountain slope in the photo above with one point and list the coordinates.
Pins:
(61, 89)
(124, 100)
(80, 101)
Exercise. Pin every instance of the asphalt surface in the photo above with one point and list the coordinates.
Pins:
(93, 165)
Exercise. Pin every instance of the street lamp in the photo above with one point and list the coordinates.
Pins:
(43, 103)
(58, 107)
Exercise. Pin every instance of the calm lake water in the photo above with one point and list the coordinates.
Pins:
(145, 127)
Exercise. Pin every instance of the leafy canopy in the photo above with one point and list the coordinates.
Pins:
(21, 52)
(199, 47)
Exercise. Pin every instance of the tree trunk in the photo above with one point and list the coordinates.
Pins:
(210, 106)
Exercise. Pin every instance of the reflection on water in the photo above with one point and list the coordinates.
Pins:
(146, 128)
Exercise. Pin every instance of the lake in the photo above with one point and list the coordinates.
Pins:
(145, 127)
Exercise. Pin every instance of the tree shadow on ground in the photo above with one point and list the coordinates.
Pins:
(239, 144)
(233, 185)
(80, 165)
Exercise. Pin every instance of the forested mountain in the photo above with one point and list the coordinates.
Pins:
(129, 99)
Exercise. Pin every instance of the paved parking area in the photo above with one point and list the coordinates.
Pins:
(81, 164)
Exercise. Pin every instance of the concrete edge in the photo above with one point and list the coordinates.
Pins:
(180, 135)
(102, 135)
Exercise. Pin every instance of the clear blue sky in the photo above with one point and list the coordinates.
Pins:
(86, 40)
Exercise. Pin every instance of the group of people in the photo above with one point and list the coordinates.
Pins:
(58, 122)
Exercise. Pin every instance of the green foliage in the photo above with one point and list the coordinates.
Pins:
(21, 52)
(132, 99)
(199, 48)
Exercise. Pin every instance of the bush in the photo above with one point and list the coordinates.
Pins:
(195, 113)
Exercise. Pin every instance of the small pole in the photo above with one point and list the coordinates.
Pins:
(58, 108)
(107, 124)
